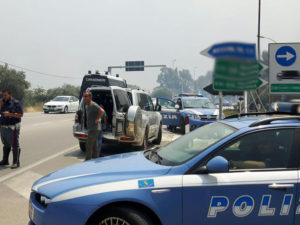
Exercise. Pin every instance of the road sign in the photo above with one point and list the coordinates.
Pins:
(285, 56)
(284, 64)
(134, 66)
(231, 50)
(234, 75)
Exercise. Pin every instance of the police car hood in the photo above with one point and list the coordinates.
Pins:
(99, 171)
(201, 111)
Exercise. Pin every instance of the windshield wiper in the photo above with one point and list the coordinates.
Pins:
(154, 156)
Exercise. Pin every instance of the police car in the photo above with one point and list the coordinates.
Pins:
(191, 112)
(242, 170)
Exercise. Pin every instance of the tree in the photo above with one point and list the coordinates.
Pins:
(161, 92)
(176, 81)
(14, 81)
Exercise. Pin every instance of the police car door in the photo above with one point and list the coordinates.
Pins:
(259, 188)
(170, 115)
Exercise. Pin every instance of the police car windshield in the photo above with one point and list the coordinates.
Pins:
(60, 99)
(191, 144)
(198, 103)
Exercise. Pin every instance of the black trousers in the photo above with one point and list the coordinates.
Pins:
(10, 140)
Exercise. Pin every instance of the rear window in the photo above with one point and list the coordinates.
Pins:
(122, 100)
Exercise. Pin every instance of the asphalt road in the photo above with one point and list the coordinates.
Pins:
(47, 145)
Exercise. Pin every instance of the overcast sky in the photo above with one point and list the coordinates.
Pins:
(70, 37)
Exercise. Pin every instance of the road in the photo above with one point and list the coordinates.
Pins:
(47, 145)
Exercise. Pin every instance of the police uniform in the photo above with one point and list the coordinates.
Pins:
(10, 130)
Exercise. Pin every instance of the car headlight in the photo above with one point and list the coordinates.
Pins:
(42, 199)
(59, 106)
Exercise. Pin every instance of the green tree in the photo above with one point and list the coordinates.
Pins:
(176, 81)
(161, 92)
(14, 81)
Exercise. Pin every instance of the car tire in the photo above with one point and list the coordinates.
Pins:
(182, 126)
(159, 136)
(82, 146)
(123, 215)
(66, 109)
(46, 112)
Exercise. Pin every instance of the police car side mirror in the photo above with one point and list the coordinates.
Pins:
(217, 164)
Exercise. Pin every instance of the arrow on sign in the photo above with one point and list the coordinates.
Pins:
(287, 56)
(261, 83)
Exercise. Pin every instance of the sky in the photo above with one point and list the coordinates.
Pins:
(67, 38)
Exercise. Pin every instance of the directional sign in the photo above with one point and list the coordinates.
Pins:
(134, 66)
(284, 64)
(231, 50)
(285, 56)
(234, 75)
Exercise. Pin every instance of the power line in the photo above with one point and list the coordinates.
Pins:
(41, 73)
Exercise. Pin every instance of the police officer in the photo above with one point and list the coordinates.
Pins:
(11, 113)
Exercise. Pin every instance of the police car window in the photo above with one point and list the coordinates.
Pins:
(165, 103)
(193, 143)
(264, 149)
(198, 103)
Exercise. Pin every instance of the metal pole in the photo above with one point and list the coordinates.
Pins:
(220, 105)
(245, 102)
(258, 31)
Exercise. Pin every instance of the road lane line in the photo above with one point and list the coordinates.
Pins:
(22, 184)
(24, 169)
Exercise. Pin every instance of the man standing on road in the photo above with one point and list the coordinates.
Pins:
(93, 113)
(11, 114)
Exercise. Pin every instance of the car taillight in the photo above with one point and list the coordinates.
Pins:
(186, 120)
(78, 116)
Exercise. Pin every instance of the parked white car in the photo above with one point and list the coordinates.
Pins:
(62, 104)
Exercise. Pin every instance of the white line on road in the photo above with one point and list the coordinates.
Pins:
(22, 170)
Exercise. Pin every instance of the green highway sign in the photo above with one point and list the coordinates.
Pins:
(236, 75)
(285, 88)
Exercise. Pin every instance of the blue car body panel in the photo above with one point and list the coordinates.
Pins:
(77, 192)
(173, 117)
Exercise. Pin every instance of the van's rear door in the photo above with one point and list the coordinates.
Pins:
(122, 104)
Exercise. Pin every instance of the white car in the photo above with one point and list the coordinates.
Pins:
(63, 104)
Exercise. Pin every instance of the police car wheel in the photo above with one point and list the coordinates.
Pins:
(124, 216)
(182, 126)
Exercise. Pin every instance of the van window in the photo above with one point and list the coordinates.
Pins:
(122, 101)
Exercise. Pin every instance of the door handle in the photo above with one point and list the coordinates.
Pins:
(280, 186)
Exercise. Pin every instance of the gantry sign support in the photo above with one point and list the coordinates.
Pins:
(132, 68)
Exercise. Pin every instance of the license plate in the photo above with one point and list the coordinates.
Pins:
(31, 211)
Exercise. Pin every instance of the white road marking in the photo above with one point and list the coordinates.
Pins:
(23, 182)
(24, 169)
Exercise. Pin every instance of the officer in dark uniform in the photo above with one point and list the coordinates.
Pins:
(11, 113)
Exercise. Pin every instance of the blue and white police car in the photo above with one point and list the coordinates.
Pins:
(187, 111)
(241, 170)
